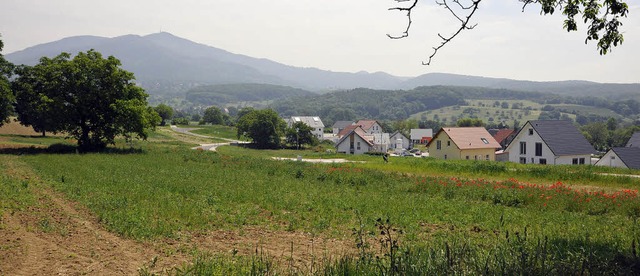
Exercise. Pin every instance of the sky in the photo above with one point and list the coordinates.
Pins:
(345, 35)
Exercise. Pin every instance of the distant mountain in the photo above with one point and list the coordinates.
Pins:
(566, 88)
(167, 64)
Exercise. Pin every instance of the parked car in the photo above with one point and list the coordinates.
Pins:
(406, 153)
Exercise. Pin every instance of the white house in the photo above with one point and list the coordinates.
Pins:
(420, 135)
(354, 142)
(381, 141)
(627, 157)
(399, 140)
(553, 142)
(317, 127)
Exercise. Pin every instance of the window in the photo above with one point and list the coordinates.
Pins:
(581, 161)
(523, 160)
(523, 148)
(467, 157)
(448, 143)
(358, 146)
(613, 158)
(543, 161)
(438, 144)
(574, 161)
(445, 157)
(485, 141)
(475, 157)
(531, 131)
(538, 149)
(486, 157)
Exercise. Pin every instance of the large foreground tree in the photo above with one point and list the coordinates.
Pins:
(264, 127)
(88, 97)
(6, 96)
(601, 17)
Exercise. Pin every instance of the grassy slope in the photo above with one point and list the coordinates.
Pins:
(485, 110)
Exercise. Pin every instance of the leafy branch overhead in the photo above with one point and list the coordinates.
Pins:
(602, 18)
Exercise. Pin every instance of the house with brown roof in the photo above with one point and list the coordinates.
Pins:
(463, 143)
(340, 125)
(354, 141)
(503, 136)
(556, 142)
(370, 126)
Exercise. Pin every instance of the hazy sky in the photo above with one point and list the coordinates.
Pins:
(343, 35)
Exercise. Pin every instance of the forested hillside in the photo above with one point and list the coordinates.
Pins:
(402, 104)
(368, 103)
(248, 92)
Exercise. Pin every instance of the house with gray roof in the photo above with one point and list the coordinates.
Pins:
(555, 142)
(317, 127)
(634, 141)
(627, 157)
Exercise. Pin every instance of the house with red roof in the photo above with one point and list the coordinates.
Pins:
(503, 136)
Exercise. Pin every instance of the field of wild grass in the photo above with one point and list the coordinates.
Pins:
(428, 216)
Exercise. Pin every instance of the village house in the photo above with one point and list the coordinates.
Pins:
(503, 136)
(317, 127)
(627, 157)
(353, 141)
(550, 142)
(340, 125)
(466, 143)
(370, 126)
(634, 141)
(420, 136)
(399, 141)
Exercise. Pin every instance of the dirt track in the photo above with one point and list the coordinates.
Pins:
(60, 237)
(57, 237)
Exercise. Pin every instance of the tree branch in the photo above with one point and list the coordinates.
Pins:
(463, 19)
(408, 10)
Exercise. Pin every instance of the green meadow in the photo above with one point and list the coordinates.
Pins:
(416, 216)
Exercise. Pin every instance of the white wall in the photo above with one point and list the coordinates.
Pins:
(530, 140)
(608, 161)
(345, 146)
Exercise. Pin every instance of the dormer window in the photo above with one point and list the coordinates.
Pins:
(485, 141)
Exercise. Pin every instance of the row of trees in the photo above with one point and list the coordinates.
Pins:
(266, 129)
(87, 97)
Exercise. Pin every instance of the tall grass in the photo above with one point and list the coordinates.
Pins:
(472, 225)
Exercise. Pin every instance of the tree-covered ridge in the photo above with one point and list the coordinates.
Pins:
(392, 104)
(244, 92)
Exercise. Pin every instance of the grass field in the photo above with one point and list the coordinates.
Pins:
(409, 216)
